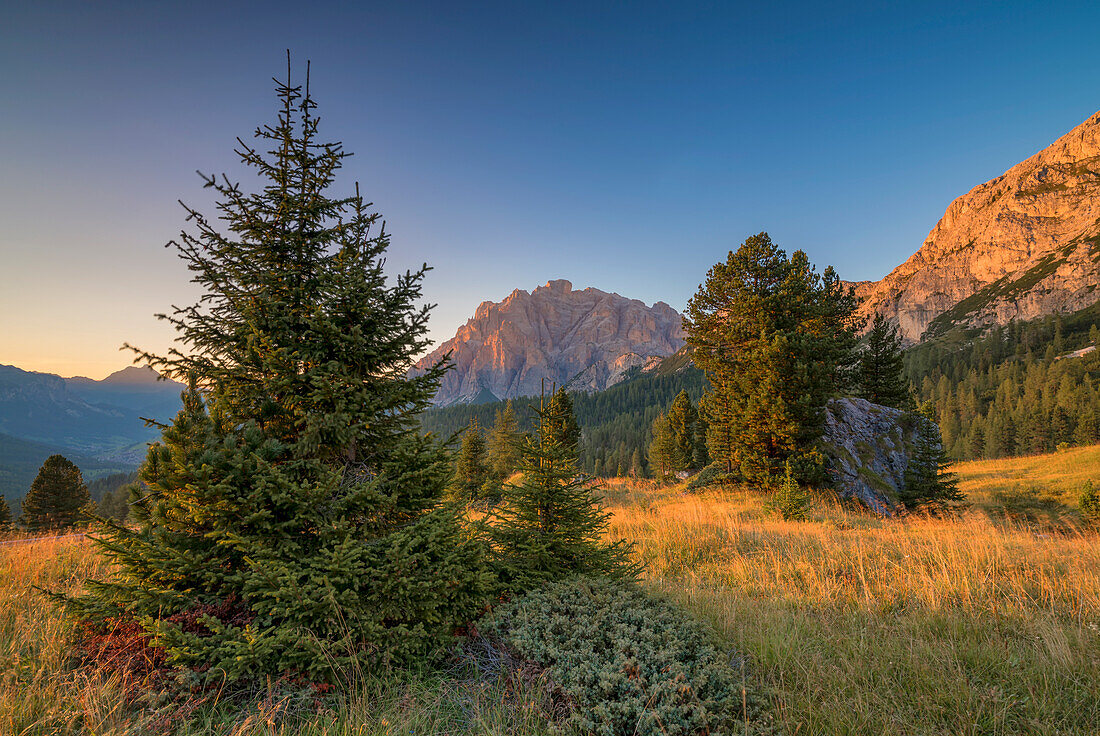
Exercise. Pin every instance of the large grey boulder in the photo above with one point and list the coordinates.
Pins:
(868, 447)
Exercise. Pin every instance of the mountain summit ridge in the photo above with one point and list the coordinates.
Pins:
(585, 338)
(1022, 245)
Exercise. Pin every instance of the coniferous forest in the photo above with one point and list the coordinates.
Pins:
(1017, 390)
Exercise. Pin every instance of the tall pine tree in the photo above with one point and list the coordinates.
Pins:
(881, 367)
(56, 497)
(292, 516)
(776, 339)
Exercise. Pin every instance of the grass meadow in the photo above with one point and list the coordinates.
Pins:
(987, 622)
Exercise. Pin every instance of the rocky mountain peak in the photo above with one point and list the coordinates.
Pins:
(587, 339)
(1022, 245)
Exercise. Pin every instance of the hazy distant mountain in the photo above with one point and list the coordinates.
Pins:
(588, 339)
(1021, 246)
(96, 424)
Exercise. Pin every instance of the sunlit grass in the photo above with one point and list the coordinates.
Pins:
(851, 624)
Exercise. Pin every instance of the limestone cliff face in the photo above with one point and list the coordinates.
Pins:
(1020, 246)
(587, 338)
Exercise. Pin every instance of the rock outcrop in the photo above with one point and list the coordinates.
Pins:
(868, 448)
(1023, 245)
(587, 339)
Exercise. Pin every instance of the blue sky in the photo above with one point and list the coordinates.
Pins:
(626, 146)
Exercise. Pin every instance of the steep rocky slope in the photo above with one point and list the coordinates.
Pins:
(1020, 246)
(587, 339)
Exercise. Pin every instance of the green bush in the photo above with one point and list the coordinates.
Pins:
(628, 664)
(1088, 503)
(711, 475)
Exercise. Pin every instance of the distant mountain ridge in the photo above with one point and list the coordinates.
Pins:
(1023, 245)
(587, 339)
(97, 424)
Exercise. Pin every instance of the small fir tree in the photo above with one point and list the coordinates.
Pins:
(292, 519)
(637, 464)
(57, 497)
(116, 504)
(665, 456)
(1088, 503)
(471, 470)
(552, 524)
(791, 500)
(682, 419)
(881, 374)
(929, 482)
(504, 445)
(5, 515)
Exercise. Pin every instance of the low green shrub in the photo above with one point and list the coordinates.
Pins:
(1088, 503)
(711, 475)
(626, 663)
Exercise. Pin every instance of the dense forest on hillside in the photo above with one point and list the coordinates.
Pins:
(615, 423)
(1018, 390)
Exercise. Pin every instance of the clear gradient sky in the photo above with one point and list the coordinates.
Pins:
(626, 146)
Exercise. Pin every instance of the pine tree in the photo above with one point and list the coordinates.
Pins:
(929, 482)
(504, 446)
(292, 519)
(700, 457)
(5, 515)
(563, 421)
(881, 367)
(776, 339)
(790, 499)
(56, 498)
(682, 418)
(637, 464)
(665, 456)
(471, 469)
(552, 525)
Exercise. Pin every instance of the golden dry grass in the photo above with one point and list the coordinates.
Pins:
(984, 623)
(856, 624)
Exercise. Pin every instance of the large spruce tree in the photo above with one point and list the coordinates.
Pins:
(881, 367)
(291, 519)
(56, 497)
(776, 339)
